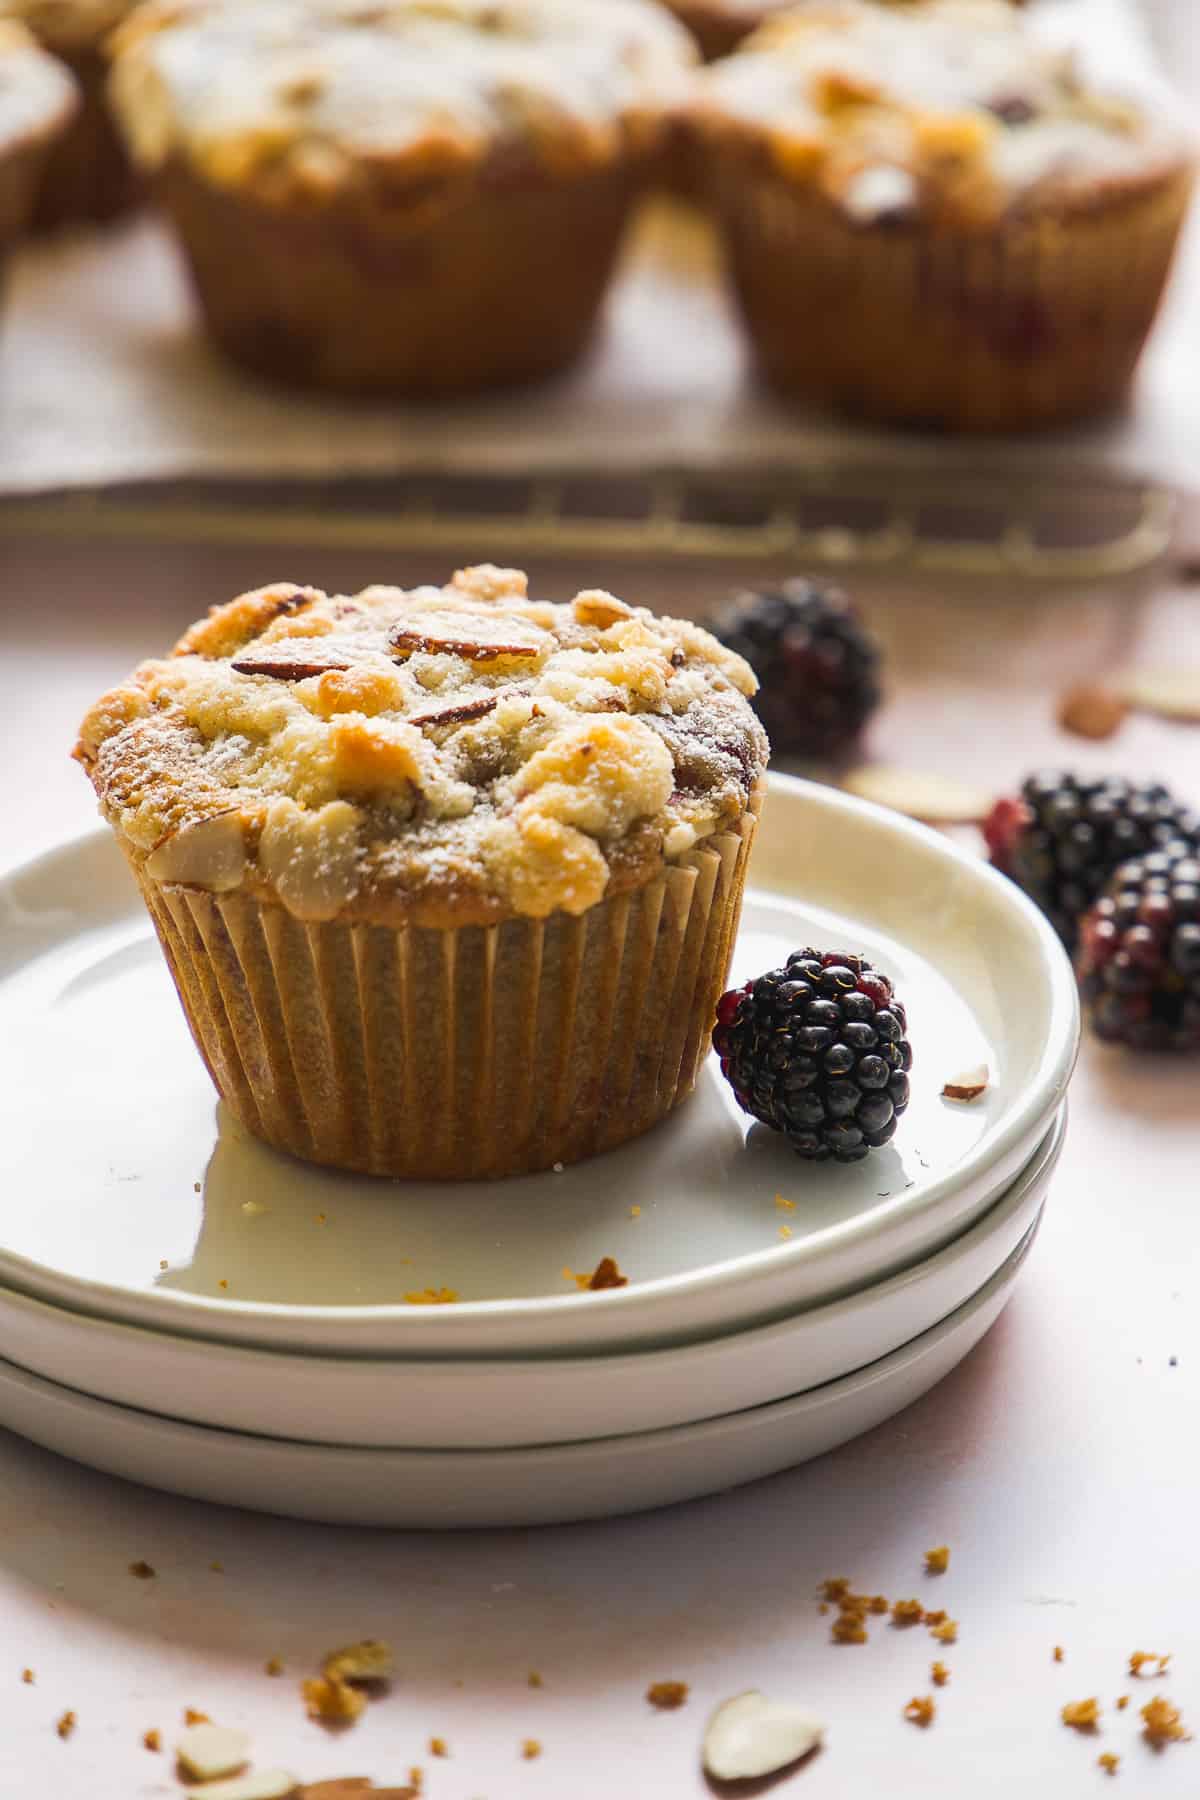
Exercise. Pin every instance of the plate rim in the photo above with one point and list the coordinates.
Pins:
(1039, 1100)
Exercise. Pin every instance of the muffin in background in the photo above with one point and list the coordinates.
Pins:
(933, 220)
(88, 176)
(447, 880)
(719, 26)
(38, 100)
(422, 197)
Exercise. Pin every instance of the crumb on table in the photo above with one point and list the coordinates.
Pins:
(535, 1680)
(192, 1717)
(848, 1628)
(66, 1725)
(940, 1674)
(1058, 1652)
(1123, 1702)
(907, 1612)
(152, 1739)
(438, 1747)
(330, 1700)
(274, 1665)
(945, 1631)
(28, 1677)
(1108, 1762)
(531, 1749)
(920, 1710)
(937, 1561)
(667, 1696)
(1141, 1659)
(142, 1571)
(1082, 1715)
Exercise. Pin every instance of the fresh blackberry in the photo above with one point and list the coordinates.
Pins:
(818, 668)
(1066, 834)
(1139, 953)
(817, 1050)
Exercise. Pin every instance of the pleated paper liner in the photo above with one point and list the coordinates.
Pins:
(1033, 322)
(466, 1052)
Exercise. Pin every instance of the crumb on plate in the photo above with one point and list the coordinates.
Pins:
(192, 1717)
(946, 1631)
(782, 1205)
(1081, 1715)
(937, 1561)
(907, 1612)
(785, 1231)
(667, 1696)
(940, 1674)
(920, 1710)
(330, 1700)
(1162, 1723)
(1141, 1659)
(442, 1296)
(606, 1274)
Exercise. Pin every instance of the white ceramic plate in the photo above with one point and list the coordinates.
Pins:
(125, 1197)
(480, 1404)
(437, 1489)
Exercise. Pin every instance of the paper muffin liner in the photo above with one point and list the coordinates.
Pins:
(88, 176)
(501, 286)
(465, 1052)
(1034, 322)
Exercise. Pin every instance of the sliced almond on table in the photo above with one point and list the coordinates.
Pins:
(1172, 693)
(751, 1735)
(1091, 711)
(933, 799)
(259, 1784)
(470, 635)
(207, 1751)
(967, 1086)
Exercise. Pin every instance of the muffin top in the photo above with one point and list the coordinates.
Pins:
(440, 756)
(297, 95)
(37, 95)
(68, 25)
(955, 105)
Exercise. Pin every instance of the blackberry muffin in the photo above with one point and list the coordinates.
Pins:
(424, 197)
(37, 103)
(88, 175)
(448, 879)
(932, 220)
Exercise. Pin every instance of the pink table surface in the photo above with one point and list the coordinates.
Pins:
(1061, 1462)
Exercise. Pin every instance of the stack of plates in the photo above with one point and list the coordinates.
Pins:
(180, 1305)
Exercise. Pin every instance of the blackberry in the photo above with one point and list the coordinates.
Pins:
(1066, 834)
(818, 668)
(817, 1050)
(1139, 953)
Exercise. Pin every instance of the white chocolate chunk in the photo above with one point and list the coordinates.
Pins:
(258, 1784)
(207, 1751)
(751, 1735)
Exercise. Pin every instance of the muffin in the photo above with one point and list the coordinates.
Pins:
(88, 176)
(37, 103)
(447, 879)
(418, 196)
(719, 26)
(932, 220)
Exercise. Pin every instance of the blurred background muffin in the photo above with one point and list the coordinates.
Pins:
(422, 197)
(719, 26)
(38, 100)
(932, 219)
(88, 175)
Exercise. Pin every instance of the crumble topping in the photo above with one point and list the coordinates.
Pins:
(324, 779)
(299, 97)
(961, 106)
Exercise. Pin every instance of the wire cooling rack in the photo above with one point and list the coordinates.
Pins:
(1075, 529)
